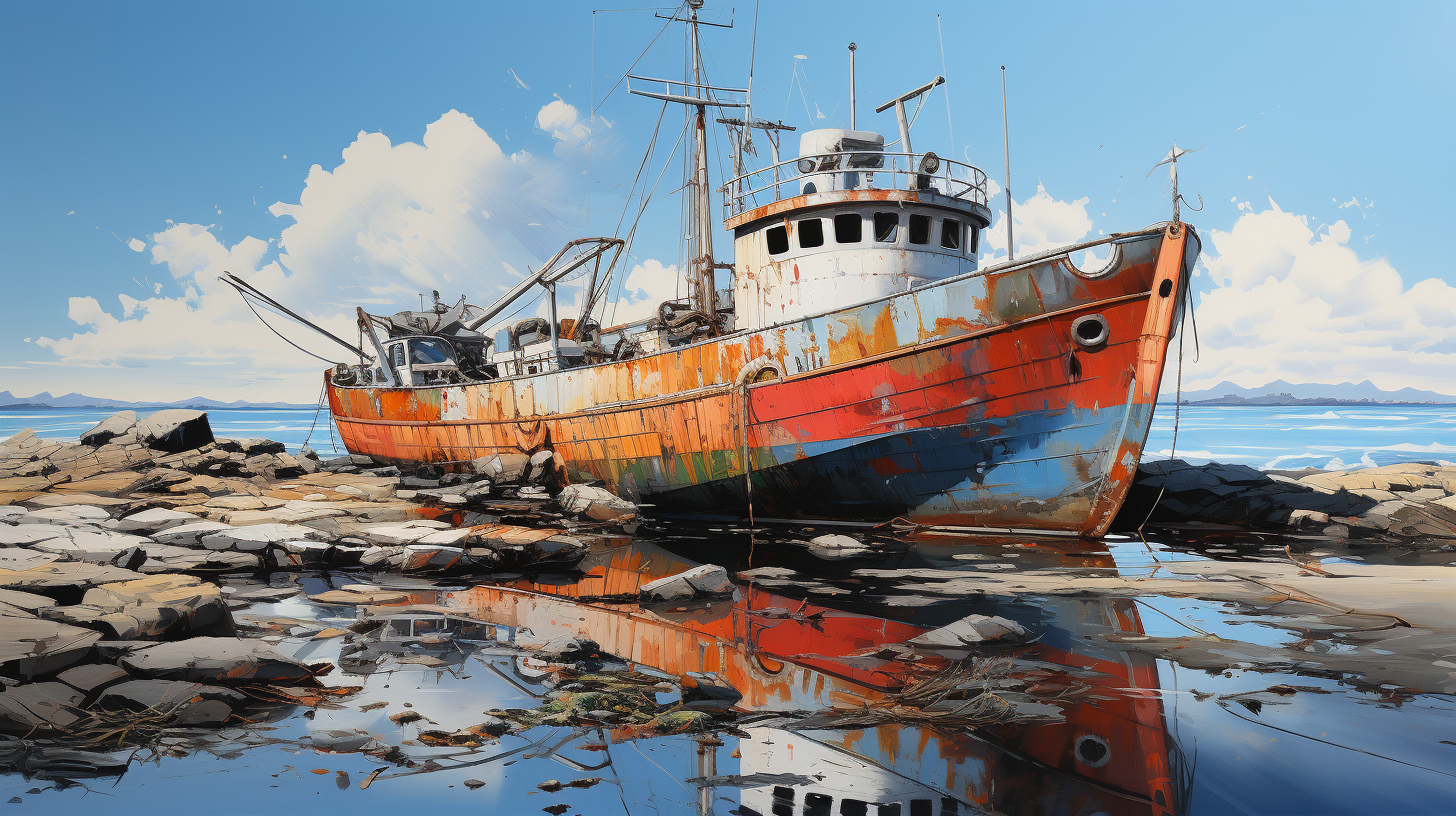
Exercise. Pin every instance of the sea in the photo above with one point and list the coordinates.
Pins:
(1262, 437)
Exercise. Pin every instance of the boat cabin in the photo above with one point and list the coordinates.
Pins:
(423, 360)
(855, 223)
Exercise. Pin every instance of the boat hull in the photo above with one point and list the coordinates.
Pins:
(968, 403)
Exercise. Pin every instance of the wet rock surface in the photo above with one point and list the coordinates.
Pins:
(322, 628)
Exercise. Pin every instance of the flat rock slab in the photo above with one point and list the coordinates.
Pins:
(69, 514)
(45, 706)
(91, 677)
(64, 577)
(258, 536)
(34, 646)
(153, 520)
(17, 558)
(190, 534)
(187, 703)
(68, 499)
(207, 659)
(28, 601)
(94, 545)
(24, 535)
(357, 598)
(162, 558)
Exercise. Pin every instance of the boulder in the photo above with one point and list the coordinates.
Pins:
(95, 546)
(34, 646)
(594, 502)
(540, 465)
(186, 703)
(92, 677)
(175, 430)
(709, 579)
(835, 547)
(107, 429)
(970, 630)
(39, 706)
(211, 659)
(501, 468)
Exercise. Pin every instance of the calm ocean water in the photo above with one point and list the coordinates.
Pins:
(287, 425)
(1260, 437)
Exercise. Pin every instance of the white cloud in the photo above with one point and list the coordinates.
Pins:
(390, 221)
(563, 122)
(1297, 304)
(1039, 223)
(136, 245)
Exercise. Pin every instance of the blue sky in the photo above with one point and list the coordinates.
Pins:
(132, 114)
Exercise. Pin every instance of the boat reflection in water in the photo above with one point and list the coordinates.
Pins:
(1106, 751)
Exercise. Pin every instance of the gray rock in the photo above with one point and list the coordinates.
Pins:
(71, 514)
(186, 703)
(190, 534)
(970, 630)
(154, 520)
(35, 646)
(834, 547)
(708, 579)
(209, 659)
(594, 502)
(39, 706)
(113, 426)
(175, 430)
(24, 535)
(256, 537)
(92, 677)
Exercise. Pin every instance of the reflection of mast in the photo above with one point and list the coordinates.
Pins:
(700, 230)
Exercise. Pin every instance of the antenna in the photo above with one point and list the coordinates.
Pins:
(898, 103)
(1006, 135)
(1172, 161)
(851, 87)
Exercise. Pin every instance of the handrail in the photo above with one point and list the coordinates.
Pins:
(951, 178)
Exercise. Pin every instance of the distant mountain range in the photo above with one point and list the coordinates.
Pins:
(1280, 392)
(74, 400)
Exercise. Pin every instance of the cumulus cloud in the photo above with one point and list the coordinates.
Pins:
(1039, 223)
(1293, 303)
(390, 221)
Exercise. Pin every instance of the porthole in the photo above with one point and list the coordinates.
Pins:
(1092, 751)
(1165, 288)
(1089, 331)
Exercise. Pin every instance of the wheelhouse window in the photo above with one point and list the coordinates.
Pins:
(974, 245)
(778, 240)
(919, 229)
(848, 228)
(818, 804)
(428, 352)
(950, 233)
(887, 227)
(811, 233)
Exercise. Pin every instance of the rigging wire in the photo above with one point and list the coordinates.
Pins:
(640, 56)
(249, 302)
(949, 125)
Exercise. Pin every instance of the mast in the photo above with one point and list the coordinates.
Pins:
(704, 296)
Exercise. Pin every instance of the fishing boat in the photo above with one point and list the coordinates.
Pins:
(861, 366)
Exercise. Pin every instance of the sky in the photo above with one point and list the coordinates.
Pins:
(365, 153)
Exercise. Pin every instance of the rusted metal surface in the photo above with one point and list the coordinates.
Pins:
(963, 403)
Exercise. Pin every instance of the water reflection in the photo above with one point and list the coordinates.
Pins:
(1101, 744)
(811, 692)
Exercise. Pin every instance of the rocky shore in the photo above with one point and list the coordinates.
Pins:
(146, 573)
